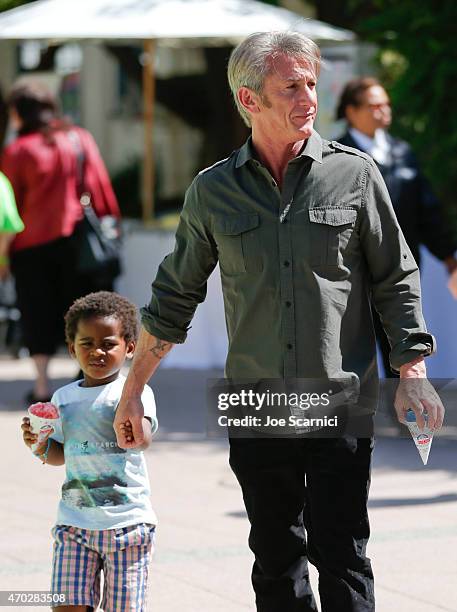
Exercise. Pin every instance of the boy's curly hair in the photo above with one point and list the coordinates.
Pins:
(103, 304)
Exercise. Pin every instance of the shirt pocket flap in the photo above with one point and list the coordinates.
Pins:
(232, 225)
(333, 216)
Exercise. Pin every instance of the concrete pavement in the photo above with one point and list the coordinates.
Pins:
(202, 562)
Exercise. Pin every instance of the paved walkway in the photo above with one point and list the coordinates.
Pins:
(202, 562)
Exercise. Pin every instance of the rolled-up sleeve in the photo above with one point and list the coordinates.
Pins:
(181, 281)
(395, 279)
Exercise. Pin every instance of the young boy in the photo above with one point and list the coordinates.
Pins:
(105, 520)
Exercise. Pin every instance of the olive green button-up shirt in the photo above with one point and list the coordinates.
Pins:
(299, 266)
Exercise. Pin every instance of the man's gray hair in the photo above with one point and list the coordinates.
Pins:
(250, 61)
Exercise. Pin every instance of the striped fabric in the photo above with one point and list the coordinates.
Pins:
(122, 554)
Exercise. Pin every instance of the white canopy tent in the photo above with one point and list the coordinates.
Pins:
(163, 22)
(156, 19)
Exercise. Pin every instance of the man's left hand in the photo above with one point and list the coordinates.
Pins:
(416, 393)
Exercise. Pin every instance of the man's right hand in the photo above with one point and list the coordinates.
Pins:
(128, 420)
(128, 423)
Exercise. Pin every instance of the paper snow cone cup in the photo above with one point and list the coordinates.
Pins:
(43, 419)
(422, 437)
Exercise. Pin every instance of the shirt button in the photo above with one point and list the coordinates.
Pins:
(273, 183)
(287, 264)
(284, 221)
(288, 304)
(289, 346)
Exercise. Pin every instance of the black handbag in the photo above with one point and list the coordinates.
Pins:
(96, 239)
(98, 243)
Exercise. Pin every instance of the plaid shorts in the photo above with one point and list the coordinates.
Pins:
(123, 555)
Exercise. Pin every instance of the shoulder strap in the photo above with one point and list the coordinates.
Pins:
(76, 143)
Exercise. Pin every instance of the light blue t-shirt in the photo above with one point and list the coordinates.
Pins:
(106, 487)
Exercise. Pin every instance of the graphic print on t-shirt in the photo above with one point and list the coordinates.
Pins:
(95, 463)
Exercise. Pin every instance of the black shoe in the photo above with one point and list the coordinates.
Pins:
(31, 398)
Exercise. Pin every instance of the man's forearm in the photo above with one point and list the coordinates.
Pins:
(149, 352)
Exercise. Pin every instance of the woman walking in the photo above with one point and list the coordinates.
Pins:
(44, 166)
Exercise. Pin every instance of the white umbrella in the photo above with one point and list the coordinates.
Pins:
(156, 19)
(163, 22)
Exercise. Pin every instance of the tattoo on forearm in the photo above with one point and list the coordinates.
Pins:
(160, 348)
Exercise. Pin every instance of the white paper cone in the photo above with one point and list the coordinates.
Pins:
(41, 427)
(422, 437)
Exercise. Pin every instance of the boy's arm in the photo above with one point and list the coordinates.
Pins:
(55, 455)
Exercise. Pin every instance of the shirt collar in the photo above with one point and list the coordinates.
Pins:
(378, 146)
(313, 149)
(380, 138)
(366, 143)
(245, 153)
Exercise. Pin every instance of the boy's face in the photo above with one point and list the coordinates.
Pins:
(100, 349)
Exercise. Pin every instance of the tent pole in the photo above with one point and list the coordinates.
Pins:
(148, 120)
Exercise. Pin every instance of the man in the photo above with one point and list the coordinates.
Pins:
(365, 105)
(303, 230)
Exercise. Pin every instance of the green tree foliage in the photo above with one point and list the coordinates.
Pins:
(6, 5)
(418, 59)
(419, 64)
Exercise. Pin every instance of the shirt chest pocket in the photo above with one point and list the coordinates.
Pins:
(330, 232)
(238, 243)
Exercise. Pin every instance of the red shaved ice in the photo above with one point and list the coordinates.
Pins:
(44, 410)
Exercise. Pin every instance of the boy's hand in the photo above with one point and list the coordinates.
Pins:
(30, 438)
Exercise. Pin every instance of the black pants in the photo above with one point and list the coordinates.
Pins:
(46, 286)
(306, 499)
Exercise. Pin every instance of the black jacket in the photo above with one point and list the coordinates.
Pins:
(418, 211)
